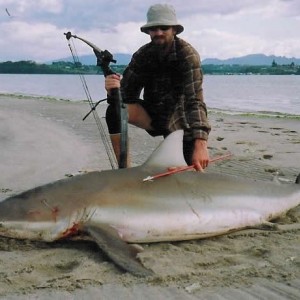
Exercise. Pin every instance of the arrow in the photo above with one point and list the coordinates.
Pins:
(185, 168)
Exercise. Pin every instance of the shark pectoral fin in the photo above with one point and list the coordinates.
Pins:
(121, 253)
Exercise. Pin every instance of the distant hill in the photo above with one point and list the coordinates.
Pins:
(253, 60)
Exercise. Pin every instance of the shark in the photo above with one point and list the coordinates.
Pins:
(118, 209)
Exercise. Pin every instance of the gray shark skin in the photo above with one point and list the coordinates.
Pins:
(115, 207)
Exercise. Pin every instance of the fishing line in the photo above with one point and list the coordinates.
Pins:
(101, 129)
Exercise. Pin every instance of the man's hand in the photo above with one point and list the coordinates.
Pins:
(111, 82)
(200, 157)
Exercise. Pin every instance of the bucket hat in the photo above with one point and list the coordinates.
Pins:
(161, 15)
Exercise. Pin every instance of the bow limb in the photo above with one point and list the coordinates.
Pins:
(103, 60)
(70, 35)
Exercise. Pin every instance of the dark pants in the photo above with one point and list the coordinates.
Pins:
(188, 149)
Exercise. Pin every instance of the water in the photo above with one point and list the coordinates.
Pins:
(68, 87)
(255, 93)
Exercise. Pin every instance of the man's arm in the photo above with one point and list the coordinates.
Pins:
(200, 158)
(196, 112)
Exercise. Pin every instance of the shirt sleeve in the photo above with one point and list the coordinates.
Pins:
(131, 83)
(194, 105)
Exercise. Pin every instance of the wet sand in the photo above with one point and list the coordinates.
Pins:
(46, 140)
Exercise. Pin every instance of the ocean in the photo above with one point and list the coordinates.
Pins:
(232, 93)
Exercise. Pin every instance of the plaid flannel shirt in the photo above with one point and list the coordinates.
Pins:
(172, 87)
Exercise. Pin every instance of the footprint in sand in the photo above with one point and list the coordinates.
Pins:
(263, 131)
(246, 143)
(276, 128)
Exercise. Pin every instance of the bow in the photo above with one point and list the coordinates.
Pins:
(104, 58)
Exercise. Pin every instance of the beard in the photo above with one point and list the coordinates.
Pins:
(160, 43)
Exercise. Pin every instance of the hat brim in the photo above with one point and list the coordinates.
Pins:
(179, 28)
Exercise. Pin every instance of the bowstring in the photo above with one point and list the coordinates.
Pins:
(101, 129)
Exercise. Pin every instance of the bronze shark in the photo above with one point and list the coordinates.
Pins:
(116, 207)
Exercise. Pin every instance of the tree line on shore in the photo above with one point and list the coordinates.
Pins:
(62, 67)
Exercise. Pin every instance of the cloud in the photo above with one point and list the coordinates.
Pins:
(247, 30)
(25, 41)
(216, 28)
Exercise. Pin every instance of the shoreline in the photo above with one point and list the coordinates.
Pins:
(258, 114)
(247, 262)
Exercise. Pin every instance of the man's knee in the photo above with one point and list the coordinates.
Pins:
(112, 120)
(138, 116)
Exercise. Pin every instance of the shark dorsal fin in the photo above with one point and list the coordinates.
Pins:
(169, 153)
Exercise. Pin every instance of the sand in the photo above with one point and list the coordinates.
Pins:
(45, 140)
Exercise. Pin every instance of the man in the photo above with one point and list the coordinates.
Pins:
(168, 71)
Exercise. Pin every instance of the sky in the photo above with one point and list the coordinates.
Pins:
(34, 29)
